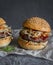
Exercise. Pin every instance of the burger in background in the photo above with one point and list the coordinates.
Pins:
(5, 33)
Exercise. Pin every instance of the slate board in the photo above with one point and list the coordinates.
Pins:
(23, 60)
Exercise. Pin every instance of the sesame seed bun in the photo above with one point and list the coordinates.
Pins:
(37, 23)
(30, 45)
(2, 21)
(5, 41)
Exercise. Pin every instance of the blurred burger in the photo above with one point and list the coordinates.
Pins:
(35, 34)
(5, 33)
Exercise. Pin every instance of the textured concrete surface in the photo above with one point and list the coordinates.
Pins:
(23, 60)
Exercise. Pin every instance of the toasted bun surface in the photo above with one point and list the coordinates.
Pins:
(5, 41)
(30, 45)
(37, 23)
(2, 21)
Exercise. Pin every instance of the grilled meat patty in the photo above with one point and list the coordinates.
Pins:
(34, 35)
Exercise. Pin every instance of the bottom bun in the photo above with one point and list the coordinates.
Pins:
(31, 45)
(5, 41)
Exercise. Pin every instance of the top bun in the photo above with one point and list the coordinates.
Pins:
(37, 23)
(2, 21)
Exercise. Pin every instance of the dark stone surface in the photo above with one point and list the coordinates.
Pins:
(23, 60)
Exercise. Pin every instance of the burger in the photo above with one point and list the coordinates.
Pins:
(35, 34)
(5, 33)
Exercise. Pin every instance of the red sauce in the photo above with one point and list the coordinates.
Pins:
(44, 37)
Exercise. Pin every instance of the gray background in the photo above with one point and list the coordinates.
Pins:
(16, 11)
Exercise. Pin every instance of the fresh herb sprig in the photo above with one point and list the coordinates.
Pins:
(8, 48)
